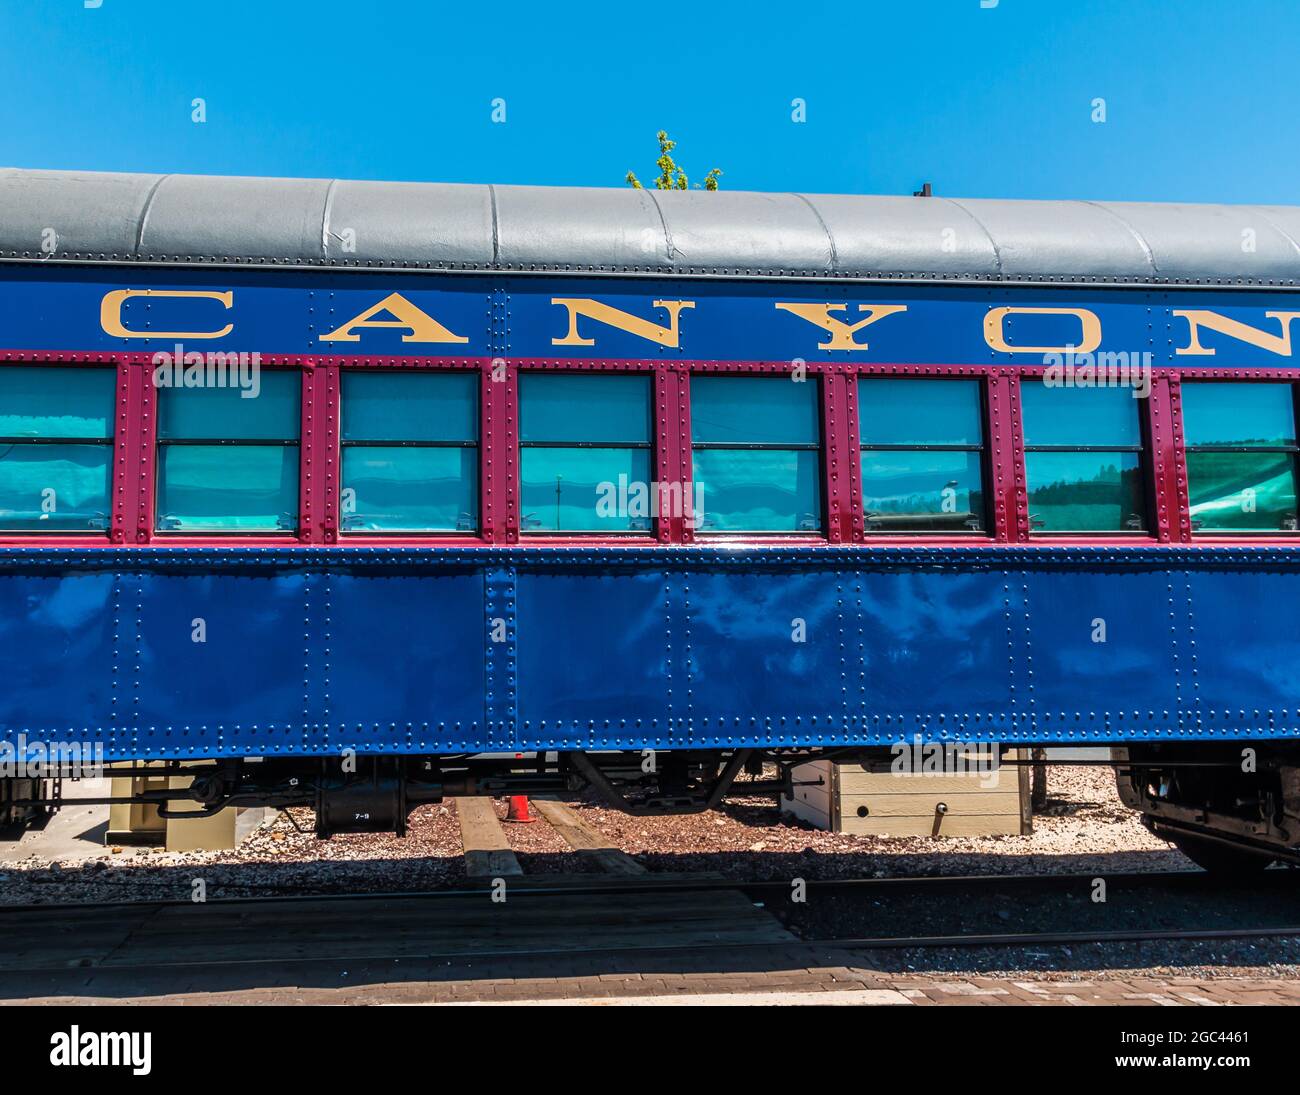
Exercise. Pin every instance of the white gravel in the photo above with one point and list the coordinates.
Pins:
(1084, 827)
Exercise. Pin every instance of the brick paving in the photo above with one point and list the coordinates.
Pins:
(864, 987)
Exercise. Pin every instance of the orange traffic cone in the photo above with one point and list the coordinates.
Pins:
(519, 810)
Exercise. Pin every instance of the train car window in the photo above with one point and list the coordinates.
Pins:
(922, 455)
(409, 451)
(1083, 458)
(585, 453)
(228, 457)
(56, 448)
(1241, 456)
(756, 449)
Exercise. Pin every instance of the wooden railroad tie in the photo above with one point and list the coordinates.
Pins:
(487, 852)
(589, 843)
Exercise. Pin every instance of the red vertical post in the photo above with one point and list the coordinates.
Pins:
(856, 529)
(1006, 459)
(499, 438)
(685, 465)
(319, 508)
(126, 489)
(1169, 510)
(1019, 481)
(838, 396)
(308, 424)
(507, 430)
(146, 451)
(487, 453)
(329, 385)
(1180, 501)
(667, 463)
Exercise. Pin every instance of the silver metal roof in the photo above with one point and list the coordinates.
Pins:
(76, 216)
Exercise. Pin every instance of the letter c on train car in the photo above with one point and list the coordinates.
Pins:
(110, 312)
(1089, 335)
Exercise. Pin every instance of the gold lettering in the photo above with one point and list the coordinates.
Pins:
(421, 326)
(841, 332)
(110, 312)
(1274, 344)
(624, 321)
(1089, 334)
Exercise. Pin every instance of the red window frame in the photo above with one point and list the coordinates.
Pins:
(1001, 452)
(328, 397)
(1154, 413)
(663, 399)
(147, 421)
(836, 487)
(135, 450)
(121, 485)
(1202, 373)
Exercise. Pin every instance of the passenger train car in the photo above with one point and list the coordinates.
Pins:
(357, 494)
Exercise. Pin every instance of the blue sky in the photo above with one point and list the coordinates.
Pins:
(1202, 97)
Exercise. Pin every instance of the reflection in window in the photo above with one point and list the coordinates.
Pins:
(585, 453)
(756, 449)
(227, 463)
(1241, 456)
(409, 446)
(922, 455)
(56, 448)
(1083, 458)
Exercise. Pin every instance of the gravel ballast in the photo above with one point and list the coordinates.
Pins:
(1084, 828)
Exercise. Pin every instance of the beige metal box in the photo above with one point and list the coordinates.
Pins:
(846, 798)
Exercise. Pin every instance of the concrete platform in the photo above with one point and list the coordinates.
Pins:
(778, 975)
(76, 832)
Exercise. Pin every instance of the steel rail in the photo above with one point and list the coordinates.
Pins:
(846, 943)
(537, 887)
(860, 887)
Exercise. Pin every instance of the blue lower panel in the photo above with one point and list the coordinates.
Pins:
(940, 653)
(58, 668)
(1110, 653)
(185, 652)
(405, 666)
(1244, 653)
(766, 655)
(222, 663)
(595, 657)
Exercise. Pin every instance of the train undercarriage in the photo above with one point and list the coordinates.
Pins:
(377, 793)
(1231, 808)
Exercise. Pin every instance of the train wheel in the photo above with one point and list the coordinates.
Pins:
(1220, 858)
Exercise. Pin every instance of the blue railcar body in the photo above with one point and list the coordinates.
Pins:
(313, 650)
(406, 650)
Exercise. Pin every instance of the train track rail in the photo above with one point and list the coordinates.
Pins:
(191, 961)
(820, 946)
(1080, 938)
(661, 917)
(541, 887)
